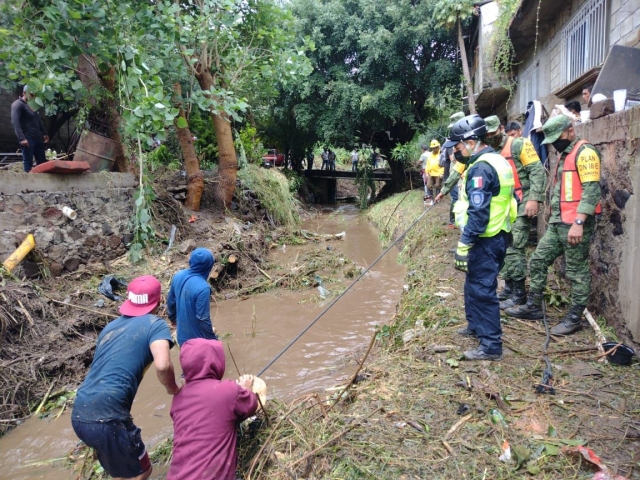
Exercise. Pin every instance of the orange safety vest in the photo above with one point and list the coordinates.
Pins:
(506, 153)
(571, 186)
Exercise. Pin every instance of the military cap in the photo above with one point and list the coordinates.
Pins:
(554, 127)
(493, 123)
(455, 117)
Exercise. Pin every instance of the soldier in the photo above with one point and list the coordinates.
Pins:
(485, 210)
(574, 204)
(530, 180)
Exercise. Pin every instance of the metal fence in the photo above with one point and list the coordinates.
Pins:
(584, 40)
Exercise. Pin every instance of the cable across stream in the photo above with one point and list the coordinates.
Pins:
(328, 307)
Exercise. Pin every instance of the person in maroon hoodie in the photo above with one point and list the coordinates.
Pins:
(206, 414)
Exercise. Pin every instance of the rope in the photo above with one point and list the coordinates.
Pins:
(290, 344)
(547, 375)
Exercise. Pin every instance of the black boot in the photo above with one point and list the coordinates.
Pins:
(532, 310)
(518, 296)
(572, 322)
(506, 291)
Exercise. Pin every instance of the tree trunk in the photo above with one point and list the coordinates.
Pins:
(465, 70)
(195, 179)
(92, 78)
(228, 163)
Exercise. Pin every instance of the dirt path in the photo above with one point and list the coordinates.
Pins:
(419, 411)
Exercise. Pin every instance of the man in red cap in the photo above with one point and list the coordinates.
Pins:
(101, 414)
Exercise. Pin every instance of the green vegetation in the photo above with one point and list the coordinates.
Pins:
(274, 193)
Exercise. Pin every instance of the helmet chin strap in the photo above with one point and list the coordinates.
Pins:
(473, 150)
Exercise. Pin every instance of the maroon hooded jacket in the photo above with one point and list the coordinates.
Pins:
(206, 414)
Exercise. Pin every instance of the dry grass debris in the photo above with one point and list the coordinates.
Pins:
(419, 411)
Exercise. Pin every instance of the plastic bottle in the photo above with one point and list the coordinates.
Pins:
(497, 417)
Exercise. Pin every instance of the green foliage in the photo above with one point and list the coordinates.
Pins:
(206, 144)
(162, 156)
(501, 48)
(274, 192)
(447, 12)
(365, 182)
(405, 153)
(252, 144)
(140, 224)
(295, 180)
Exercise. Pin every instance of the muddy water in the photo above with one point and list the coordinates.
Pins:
(255, 330)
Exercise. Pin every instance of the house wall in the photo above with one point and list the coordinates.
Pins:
(624, 29)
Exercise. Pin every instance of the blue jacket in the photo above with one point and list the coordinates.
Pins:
(188, 299)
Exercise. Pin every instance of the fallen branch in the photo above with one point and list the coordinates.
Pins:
(599, 336)
(355, 375)
(456, 426)
(81, 307)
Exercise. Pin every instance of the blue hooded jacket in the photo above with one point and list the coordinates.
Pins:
(188, 299)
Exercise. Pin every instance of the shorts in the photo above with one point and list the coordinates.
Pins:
(118, 445)
(434, 182)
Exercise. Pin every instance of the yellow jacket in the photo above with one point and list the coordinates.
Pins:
(433, 168)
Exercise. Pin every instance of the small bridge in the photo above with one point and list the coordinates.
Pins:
(324, 181)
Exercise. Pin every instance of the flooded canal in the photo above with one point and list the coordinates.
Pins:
(256, 330)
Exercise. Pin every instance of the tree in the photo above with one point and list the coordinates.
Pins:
(450, 14)
(225, 43)
(379, 71)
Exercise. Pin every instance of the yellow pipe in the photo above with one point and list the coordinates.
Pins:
(22, 251)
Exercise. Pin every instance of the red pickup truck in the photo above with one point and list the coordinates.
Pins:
(272, 158)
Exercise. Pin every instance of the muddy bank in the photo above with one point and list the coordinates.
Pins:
(419, 411)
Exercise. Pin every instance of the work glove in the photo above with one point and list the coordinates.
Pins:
(462, 257)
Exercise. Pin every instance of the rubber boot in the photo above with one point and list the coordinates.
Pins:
(572, 322)
(518, 296)
(532, 310)
(506, 291)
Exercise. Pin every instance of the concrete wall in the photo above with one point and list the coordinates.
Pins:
(615, 258)
(32, 203)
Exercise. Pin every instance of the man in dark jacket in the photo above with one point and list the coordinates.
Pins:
(188, 299)
(206, 414)
(101, 415)
(28, 127)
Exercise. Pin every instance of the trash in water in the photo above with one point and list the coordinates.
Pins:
(99, 303)
(109, 285)
(324, 293)
(405, 288)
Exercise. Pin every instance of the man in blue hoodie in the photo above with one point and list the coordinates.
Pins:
(188, 299)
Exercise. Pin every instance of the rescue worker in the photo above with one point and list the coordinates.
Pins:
(455, 172)
(530, 181)
(574, 203)
(433, 171)
(485, 210)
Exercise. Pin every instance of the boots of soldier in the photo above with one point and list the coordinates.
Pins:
(532, 310)
(518, 296)
(506, 291)
(572, 322)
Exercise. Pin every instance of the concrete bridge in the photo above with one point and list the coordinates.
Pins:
(325, 181)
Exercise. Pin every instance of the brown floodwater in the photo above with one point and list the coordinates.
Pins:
(255, 330)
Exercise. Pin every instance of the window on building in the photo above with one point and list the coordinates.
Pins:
(584, 40)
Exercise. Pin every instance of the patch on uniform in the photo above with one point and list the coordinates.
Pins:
(477, 198)
(476, 182)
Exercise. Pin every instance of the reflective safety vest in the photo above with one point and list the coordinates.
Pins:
(571, 186)
(503, 209)
(507, 153)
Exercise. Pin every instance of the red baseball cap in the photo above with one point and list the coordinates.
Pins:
(143, 296)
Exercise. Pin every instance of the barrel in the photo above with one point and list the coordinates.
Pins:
(98, 151)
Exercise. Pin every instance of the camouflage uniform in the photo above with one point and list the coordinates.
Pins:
(554, 242)
(533, 179)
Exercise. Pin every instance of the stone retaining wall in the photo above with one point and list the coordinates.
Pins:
(32, 203)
